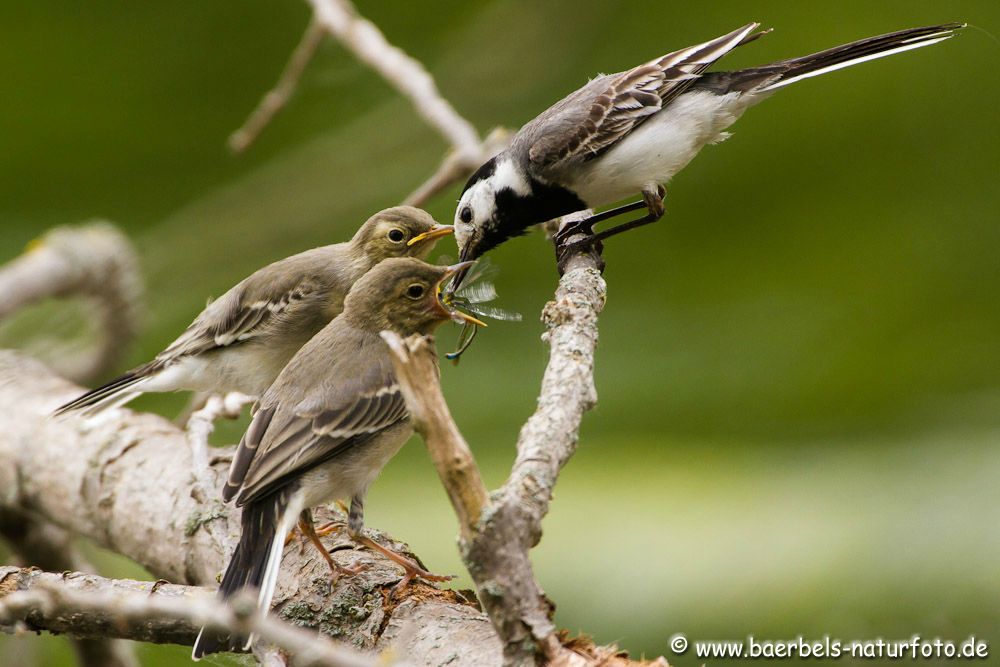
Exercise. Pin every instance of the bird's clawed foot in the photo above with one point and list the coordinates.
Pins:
(574, 237)
(652, 201)
(411, 567)
(336, 569)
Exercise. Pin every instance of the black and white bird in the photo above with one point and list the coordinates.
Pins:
(630, 132)
(325, 429)
(243, 339)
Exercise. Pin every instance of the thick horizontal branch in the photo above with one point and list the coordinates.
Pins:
(84, 605)
(126, 480)
(52, 548)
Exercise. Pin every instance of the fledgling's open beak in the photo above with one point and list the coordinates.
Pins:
(435, 232)
(444, 300)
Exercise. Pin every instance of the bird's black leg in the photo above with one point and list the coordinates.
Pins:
(652, 201)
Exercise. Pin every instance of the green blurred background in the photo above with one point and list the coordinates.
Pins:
(799, 369)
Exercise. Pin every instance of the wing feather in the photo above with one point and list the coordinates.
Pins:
(621, 102)
(320, 423)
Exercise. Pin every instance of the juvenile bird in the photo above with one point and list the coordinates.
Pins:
(243, 339)
(630, 132)
(326, 427)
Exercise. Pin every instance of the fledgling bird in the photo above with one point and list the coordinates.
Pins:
(630, 132)
(326, 427)
(243, 339)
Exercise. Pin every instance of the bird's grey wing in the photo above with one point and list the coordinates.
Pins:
(284, 441)
(600, 114)
(252, 308)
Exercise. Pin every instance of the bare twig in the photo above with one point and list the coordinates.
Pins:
(340, 19)
(90, 606)
(276, 98)
(94, 261)
(407, 75)
(200, 426)
(459, 165)
(40, 544)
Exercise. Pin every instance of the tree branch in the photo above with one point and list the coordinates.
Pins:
(276, 98)
(417, 371)
(404, 73)
(91, 606)
(498, 530)
(52, 548)
(126, 480)
(340, 19)
(94, 261)
(459, 165)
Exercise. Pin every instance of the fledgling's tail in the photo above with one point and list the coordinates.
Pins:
(113, 394)
(254, 565)
(767, 78)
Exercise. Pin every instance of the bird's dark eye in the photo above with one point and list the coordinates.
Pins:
(415, 291)
(396, 235)
(465, 215)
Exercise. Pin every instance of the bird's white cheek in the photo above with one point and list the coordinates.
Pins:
(463, 233)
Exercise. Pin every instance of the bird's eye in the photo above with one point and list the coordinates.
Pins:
(415, 291)
(396, 235)
(465, 215)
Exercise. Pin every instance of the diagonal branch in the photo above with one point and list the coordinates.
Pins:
(276, 98)
(497, 535)
(361, 37)
(417, 370)
(403, 72)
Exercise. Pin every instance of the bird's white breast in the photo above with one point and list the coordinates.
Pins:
(659, 148)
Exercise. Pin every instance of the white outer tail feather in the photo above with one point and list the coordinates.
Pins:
(913, 43)
(267, 586)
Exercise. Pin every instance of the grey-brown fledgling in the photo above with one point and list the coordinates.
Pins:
(243, 339)
(326, 427)
(630, 132)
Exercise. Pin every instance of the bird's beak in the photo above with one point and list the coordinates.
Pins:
(435, 232)
(444, 300)
(464, 264)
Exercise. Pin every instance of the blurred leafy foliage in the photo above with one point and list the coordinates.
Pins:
(799, 372)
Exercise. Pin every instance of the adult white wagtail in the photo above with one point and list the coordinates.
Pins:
(630, 132)
(326, 427)
(243, 339)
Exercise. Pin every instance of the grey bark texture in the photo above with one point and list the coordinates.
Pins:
(126, 481)
(498, 529)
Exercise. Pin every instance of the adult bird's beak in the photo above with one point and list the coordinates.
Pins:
(435, 232)
(444, 299)
(465, 263)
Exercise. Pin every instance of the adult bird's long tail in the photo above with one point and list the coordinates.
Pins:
(254, 565)
(767, 78)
